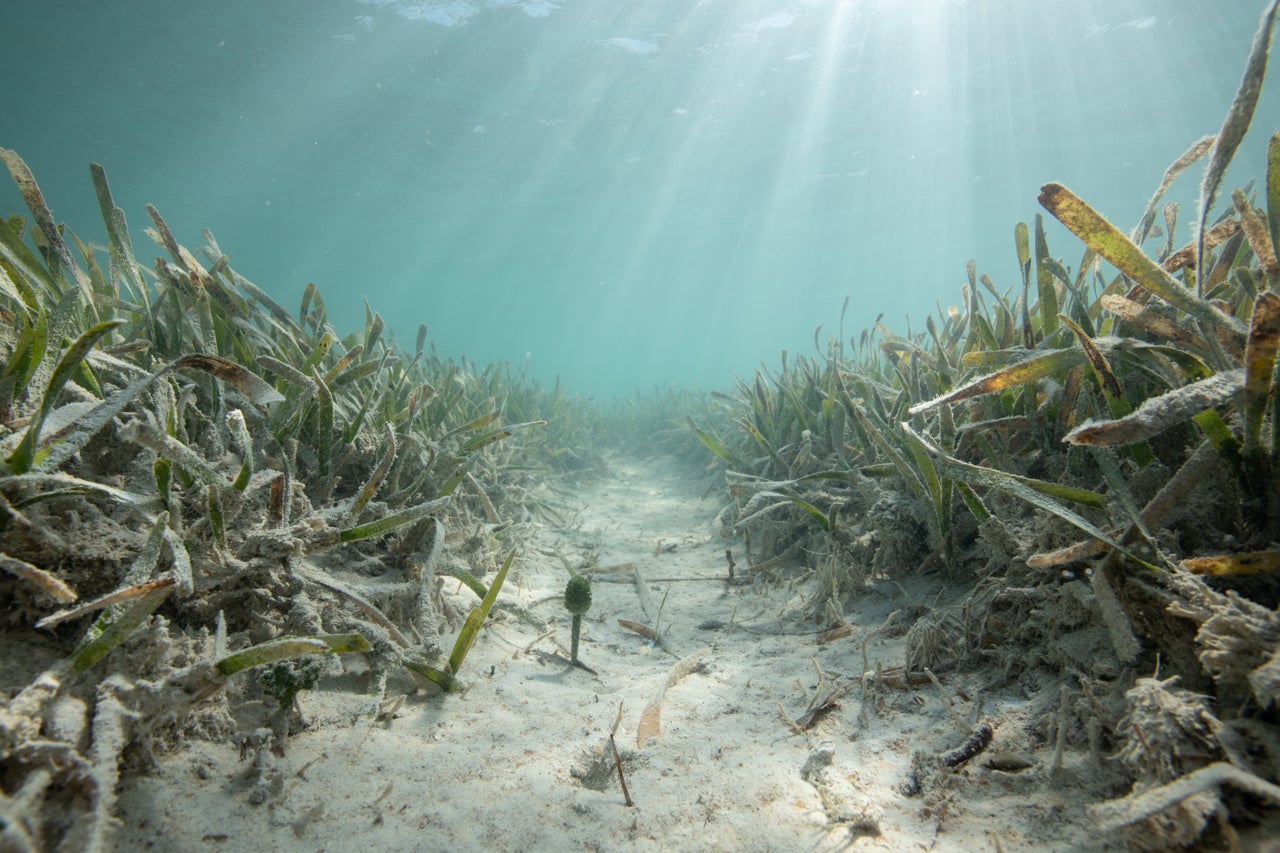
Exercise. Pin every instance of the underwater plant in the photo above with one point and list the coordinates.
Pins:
(180, 455)
(466, 637)
(1096, 446)
(196, 481)
(577, 600)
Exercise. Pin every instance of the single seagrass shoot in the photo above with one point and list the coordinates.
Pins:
(577, 600)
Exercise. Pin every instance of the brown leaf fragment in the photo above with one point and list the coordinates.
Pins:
(822, 707)
(1260, 363)
(643, 630)
(1075, 553)
(650, 722)
(1217, 235)
(651, 717)
(1101, 368)
(1248, 563)
(119, 596)
(1255, 230)
(48, 583)
(256, 389)
(839, 632)
(1155, 323)
(276, 504)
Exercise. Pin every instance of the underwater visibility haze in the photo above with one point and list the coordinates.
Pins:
(616, 194)
(281, 567)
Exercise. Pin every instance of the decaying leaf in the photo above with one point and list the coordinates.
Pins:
(117, 597)
(50, 584)
(1104, 238)
(1260, 365)
(131, 607)
(252, 386)
(1158, 414)
(1239, 116)
(650, 725)
(1157, 324)
(1034, 367)
(1248, 563)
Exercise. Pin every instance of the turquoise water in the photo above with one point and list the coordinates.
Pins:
(619, 194)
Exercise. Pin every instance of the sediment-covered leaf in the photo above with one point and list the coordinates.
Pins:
(44, 220)
(378, 474)
(1147, 318)
(1034, 367)
(1104, 238)
(46, 582)
(24, 457)
(286, 371)
(253, 387)
(1158, 414)
(163, 444)
(1255, 230)
(1236, 124)
(71, 439)
(67, 483)
(389, 523)
(1260, 366)
(1250, 563)
(1198, 149)
(115, 625)
(290, 647)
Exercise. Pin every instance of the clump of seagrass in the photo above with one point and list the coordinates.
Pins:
(1172, 743)
(1167, 731)
(1088, 441)
(1237, 640)
(180, 453)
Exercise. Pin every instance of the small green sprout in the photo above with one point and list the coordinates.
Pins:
(577, 600)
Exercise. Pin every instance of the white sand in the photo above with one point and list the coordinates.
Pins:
(495, 768)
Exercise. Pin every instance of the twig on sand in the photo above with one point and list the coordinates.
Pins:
(617, 759)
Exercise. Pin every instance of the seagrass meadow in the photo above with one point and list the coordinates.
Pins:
(213, 505)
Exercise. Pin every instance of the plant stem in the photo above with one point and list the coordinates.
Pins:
(577, 631)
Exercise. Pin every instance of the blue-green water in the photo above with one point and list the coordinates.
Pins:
(621, 194)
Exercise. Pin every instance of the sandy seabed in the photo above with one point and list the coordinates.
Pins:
(742, 729)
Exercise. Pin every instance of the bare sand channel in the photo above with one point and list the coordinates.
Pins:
(742, 728)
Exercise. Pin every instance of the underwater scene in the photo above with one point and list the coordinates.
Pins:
(744, 425)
